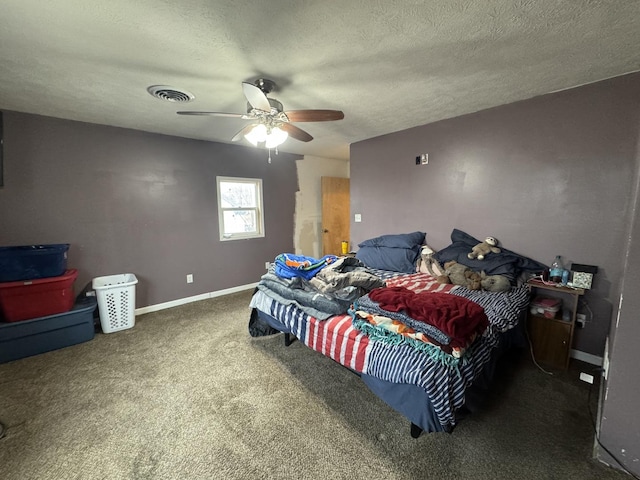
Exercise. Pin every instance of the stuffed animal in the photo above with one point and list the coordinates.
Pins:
(459, 274)
(427, 264)
(483, 248)
(494, 283)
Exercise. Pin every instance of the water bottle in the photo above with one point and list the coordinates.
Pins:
(555, 272)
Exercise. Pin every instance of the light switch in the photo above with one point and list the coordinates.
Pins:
(357, 218)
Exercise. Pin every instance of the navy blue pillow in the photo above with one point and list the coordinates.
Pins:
(401, 240)
(506, 262)
(389, 258)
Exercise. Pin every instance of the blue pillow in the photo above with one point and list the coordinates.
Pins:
(401, 240)
(389, 258)
(506, 262)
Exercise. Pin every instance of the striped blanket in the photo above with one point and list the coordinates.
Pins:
(338, 339)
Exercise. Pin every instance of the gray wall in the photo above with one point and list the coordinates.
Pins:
(130, 201)
(620, 422)
(553, 175)
(548, 176)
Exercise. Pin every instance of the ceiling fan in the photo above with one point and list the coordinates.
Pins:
(270, 124)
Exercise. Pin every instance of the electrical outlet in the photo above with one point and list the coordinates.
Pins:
(190, 278)
(424, 158)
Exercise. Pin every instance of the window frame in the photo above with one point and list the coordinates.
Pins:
(259, 209)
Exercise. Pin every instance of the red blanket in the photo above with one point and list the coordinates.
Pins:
(456, 316)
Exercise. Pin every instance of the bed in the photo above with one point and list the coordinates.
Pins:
(428, 369)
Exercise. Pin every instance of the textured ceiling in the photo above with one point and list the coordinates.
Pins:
(388, 64)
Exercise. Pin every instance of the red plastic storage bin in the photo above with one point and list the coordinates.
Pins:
(37, 298)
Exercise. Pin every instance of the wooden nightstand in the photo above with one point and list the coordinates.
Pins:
(552, 337)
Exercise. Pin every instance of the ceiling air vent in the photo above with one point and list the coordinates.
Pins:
(170, 94)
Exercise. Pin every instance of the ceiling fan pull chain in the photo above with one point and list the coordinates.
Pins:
(269, 155)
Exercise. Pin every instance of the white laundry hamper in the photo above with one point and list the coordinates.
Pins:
(116, 296)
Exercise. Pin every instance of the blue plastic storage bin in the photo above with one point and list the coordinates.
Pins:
(31, 337)
(30, 262)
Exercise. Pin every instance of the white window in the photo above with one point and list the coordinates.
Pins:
(240, 208)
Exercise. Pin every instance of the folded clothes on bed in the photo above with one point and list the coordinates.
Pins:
(272, 295)
(346, 273)
(459, 318)
(320, 288)
(365, 303)
(289, 265)
(297, 290)
(393, 332)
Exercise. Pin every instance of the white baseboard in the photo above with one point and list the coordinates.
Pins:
(195, 298)
(586, 357)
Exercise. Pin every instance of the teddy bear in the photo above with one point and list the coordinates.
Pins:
(494, 283)
(459, 274)
(483, 248)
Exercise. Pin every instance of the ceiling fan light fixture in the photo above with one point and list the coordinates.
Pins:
(276, 137)
(258, 134)
(272, 125)
(271, 137)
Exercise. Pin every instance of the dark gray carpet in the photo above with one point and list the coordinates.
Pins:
(187, 394)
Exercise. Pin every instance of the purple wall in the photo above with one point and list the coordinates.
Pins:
(547, 176)
(553, 175)
(620, 422)
(130, 201)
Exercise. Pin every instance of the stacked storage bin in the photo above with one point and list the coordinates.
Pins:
(38, 311)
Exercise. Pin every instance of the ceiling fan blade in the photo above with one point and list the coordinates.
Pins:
(256, 97)
(215, 114)
(296, 132)
(314, 115)
(240, 135)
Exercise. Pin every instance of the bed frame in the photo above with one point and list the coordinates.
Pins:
(412, 401)
(289, 339)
